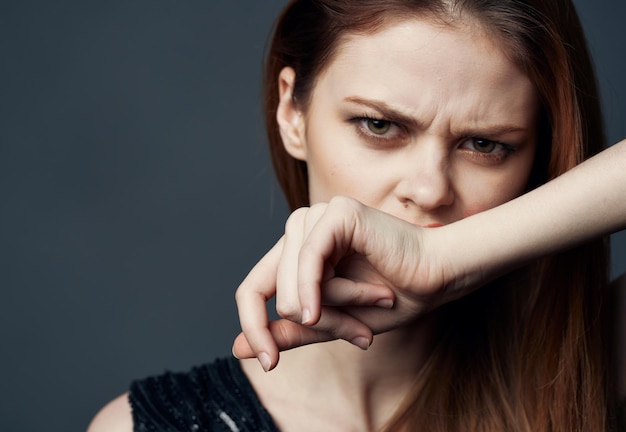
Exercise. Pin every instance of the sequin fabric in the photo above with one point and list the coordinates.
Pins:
(211, 397)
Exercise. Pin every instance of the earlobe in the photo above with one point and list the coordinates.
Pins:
(290, 119)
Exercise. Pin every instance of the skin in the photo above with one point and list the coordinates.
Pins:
(433, 92)
(428, 167)
(352, 390)
(453, 136)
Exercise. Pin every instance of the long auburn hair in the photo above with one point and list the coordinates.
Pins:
(528, 352)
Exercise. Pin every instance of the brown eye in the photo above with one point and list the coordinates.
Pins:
(378, 127)
(484, 146)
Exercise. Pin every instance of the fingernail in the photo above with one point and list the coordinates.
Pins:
(306, 316)
(234, 355)
(385, 303)
(265, 361)
(361, 342)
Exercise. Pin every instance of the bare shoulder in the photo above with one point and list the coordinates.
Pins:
(116, 416)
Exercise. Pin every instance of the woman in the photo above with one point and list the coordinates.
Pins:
(430, 112)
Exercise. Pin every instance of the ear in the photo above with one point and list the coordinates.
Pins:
(290, 119)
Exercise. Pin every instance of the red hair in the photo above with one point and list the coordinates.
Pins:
(530, 355)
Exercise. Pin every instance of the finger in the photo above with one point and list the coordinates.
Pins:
(341, 325)
(346, 292)
(252, 296)
(287, 300)
(287, 335)
(333, 324)
(297, 228)
(327, 242)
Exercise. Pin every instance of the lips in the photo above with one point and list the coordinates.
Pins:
(431, 225)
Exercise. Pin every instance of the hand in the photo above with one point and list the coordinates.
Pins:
(336, 273)
(337, 260)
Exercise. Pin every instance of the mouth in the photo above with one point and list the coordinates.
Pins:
(431, 225)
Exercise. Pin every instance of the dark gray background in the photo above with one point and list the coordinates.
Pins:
(136, 191)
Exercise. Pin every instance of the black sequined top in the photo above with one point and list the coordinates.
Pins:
(211, 397)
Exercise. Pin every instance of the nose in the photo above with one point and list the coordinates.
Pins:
(425, 179)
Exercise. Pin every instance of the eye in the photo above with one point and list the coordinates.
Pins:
(486, 150)
(486, 146)
(378, 127)
(483, 145)
(377, 131)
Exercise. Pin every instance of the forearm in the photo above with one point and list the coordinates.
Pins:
(584, 203)
(587, 202)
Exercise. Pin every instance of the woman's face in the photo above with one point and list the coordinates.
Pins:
(428, 123)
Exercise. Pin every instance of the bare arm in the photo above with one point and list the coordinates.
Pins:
(421, 268)
(586, 202)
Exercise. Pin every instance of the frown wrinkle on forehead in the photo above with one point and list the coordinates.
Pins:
(484, 129)
(399, 119)
(440, 75)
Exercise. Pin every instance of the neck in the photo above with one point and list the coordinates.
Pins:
(338, 379)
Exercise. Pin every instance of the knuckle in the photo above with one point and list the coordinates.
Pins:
(287, 311)
(348, 209)
(240, 293)
(282, 332)
(346, 331)
(306, 254)
(313, 215)
(359, 295)
(296, 218)
(340, 333)
(345, 204)
(318, 207)
(316, 210)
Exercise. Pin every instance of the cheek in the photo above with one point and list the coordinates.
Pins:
(329, 177)
(337, 167)
(471, 210)
(478, 205)
(340, 179)
(498, 192)
(486, 190)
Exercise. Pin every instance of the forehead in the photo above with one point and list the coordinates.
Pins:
(428, 67)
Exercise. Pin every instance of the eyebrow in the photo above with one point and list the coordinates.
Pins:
(391, 114)
(386, 111)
